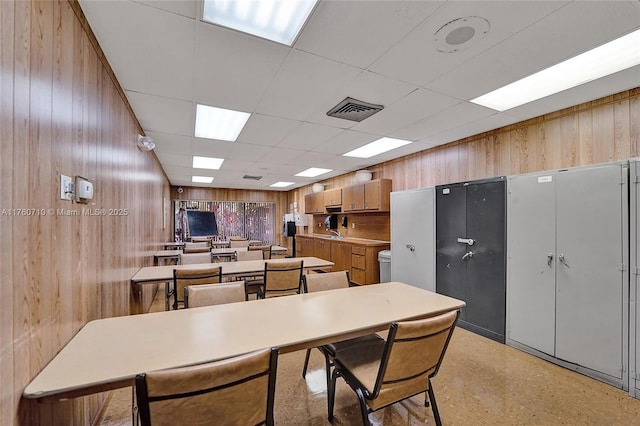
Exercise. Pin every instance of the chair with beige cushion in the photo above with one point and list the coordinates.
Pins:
(266, 251)
(201, 240)
(282, 278)
(193, 258)
(234, 391)
(396, 369)
(238, 243)
(331, 281)
(196, 250)
(253, 284)
(185, 277)
(213, 294)
(196, 245)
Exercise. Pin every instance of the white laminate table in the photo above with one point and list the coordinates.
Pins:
(108, 353)
(164, 273)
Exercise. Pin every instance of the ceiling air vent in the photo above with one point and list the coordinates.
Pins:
(251, 177)
(354, 110)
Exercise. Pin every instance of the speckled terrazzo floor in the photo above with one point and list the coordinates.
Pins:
(481, 382)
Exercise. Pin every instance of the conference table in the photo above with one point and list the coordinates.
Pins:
(230, 270)
(108, 353)
(165, 255)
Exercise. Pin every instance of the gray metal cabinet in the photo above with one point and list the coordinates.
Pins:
(413, 238)
(567, 239)
(634, 305)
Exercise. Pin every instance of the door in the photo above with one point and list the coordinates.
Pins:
(486, 268)
(451, 220)
(532, 261)
(470, 252)
(590, 267)
(413, 238)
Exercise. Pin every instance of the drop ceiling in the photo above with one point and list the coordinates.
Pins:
(383, 52)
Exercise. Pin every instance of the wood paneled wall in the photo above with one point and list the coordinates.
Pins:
(224, 194)
(600, 131)
(61, 113)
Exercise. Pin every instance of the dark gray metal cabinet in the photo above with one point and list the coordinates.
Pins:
(413, 237)
(470, 252)
(567, 280)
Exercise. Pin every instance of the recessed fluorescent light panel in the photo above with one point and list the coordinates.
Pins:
(376, 147)
(313, 172)
(607, 59)
(219, 123)
(281, 184)
(207, 162)
(277, 20)
(201, 179)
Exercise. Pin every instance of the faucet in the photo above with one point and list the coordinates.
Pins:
(335, 232)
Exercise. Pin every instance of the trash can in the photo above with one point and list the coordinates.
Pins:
(384, 258)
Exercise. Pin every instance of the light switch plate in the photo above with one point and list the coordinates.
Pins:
(66, 188)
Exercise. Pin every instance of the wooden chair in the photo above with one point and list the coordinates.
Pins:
(398, 369)
(234, 391)
(282, 278)
(253, 284)
(266, 251)
(185, 277)
(201, 240)
(331, 281)
(213, 294)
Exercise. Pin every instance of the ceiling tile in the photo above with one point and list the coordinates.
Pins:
(347, 32)
(307, 136)
(267, 130)
(143, 54)
(232, 69)
(303, 82)
(185, 8)
(159, 114)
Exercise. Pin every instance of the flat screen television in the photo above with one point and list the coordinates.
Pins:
(202, 224)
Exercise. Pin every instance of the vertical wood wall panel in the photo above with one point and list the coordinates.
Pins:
(61, 113)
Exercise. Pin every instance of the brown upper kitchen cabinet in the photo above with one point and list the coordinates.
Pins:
(374, 195)
(314, 203)
(333, 197)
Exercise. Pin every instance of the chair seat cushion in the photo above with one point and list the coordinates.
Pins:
(361, 342)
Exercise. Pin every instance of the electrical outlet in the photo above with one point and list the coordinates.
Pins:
(66, 188)
(353, 224)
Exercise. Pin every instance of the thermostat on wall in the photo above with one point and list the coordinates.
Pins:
(84, 190)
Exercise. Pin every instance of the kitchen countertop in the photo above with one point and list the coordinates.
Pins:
(353, 240)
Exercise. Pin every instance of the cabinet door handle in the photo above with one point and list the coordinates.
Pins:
(549, 259)
(563, 261)
(468, 254)
(411, 247)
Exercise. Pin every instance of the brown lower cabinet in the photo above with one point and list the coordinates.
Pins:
(358, 256)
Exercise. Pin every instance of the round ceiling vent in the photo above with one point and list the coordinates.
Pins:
(461, 34)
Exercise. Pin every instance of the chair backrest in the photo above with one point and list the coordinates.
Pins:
(237, 390)
(266, 251)
(248, 255)
(194, 245)
(191, 258)
(213, 294)
(201, 240)
(325, 281)
(185, 277)
(196, 250)
(237, 238)
(282, 278)
(413, 354)
(238, 243)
